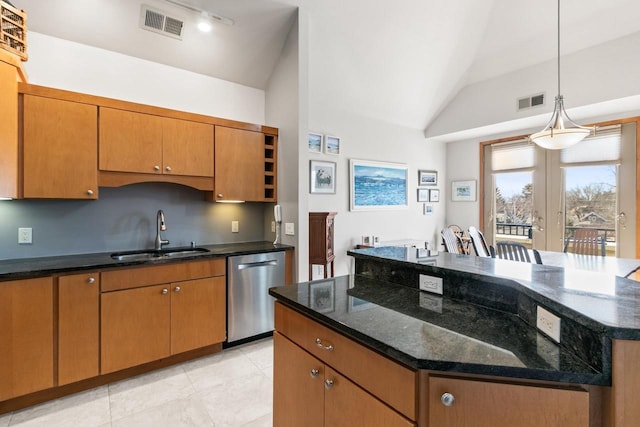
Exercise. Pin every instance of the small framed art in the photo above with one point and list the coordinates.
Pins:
(428, 209)
(423, 194)
(463, 191)
(427, 177)
(322, 177)
(331, 145)
(314, 140)
(434, 195)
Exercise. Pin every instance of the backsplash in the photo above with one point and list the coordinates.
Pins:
(125, 218)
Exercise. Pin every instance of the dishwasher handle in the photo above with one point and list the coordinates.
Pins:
(268, 263)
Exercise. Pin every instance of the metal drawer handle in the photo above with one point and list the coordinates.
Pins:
(447, 399)
(322, 346)
(257, 264)
(328, 384)
(165, 291)
(91, 280)
(314, 373)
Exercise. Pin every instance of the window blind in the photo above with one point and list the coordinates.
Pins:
(512, 156)
(604, 146)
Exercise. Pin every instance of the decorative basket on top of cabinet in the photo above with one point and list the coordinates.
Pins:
(13, 30)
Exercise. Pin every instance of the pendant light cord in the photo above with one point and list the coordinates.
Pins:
(559, 48)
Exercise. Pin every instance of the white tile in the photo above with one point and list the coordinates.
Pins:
(137, 394)
(265, 421)
(4, 419)
(260, 353)
(220, 369)
(88, 408)
(177, 413)
(239, 402)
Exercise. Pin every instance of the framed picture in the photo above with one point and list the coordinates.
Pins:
(434, 195)
(315, 142)
(423, 194)
(378, 185)
(322, 177)
(322, 296)
(463, 191)
(427, 177)
(428, 209)
(331, 145)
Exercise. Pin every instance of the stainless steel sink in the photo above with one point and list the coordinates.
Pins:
(153, 254)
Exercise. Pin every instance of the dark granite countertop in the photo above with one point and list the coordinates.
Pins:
(595, 298)
(425, 331)
(23, 268)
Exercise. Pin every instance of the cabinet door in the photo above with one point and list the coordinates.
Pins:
(298, 389)
(26, 336)
(134, 327)
(484, 404)
(197, 313)
(60, 149)
(187, 148)
(341, 396)
(239, 165)
(8, 130)
(78, 328)
(130, 142)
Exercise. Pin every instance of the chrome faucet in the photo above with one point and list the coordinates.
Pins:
(160, 226)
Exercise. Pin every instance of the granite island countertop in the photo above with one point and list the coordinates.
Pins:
(24, 268)
(423, 331)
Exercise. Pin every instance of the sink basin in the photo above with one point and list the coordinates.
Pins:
(153, 254)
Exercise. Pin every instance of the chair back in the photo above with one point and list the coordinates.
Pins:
(478, 242)
(586, 241)
(515, 251)
(451, 241)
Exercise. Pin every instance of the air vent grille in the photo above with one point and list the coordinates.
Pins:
(158, 22)
(530, 101)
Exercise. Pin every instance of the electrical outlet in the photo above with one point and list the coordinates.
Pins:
(273, 226)
(25, 235)
(431, 284)
(289, 229)
(235, 226)
(548, 323)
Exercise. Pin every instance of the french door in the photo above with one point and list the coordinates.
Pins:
(541, 197)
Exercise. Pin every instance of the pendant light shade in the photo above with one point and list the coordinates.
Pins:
(560, 132)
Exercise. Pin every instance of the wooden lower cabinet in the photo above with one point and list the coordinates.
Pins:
(78, 327)
(309, 393)
(26, 336)
(489, 404)
(149, 323)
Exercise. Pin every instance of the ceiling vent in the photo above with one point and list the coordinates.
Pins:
(158, 22)
(530, 101)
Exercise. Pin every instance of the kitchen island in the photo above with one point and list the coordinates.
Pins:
(471, 356)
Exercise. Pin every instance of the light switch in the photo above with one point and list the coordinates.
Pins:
(25, 236)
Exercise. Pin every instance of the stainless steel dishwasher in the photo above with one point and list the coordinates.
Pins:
(249, 305)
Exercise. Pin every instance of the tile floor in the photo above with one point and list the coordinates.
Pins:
(231, 388)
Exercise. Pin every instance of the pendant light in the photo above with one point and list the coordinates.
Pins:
(556, 135)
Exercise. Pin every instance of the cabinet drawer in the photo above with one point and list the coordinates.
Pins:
(124, 278)
(387, 380)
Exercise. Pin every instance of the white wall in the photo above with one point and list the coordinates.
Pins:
(596, 81)
(71, 66)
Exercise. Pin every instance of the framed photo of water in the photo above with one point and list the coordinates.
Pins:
(378, 185)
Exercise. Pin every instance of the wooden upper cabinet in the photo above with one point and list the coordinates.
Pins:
(239, 165)
(187, 148)
(130, 142)
(144, 143)
(60, 149)
(26, 336)
(8, 129)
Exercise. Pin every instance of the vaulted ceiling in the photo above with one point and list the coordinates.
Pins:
(398, 59)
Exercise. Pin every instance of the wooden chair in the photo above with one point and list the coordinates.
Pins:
(586, 241)
(514, 251)
(451, 241)
(479, 243)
